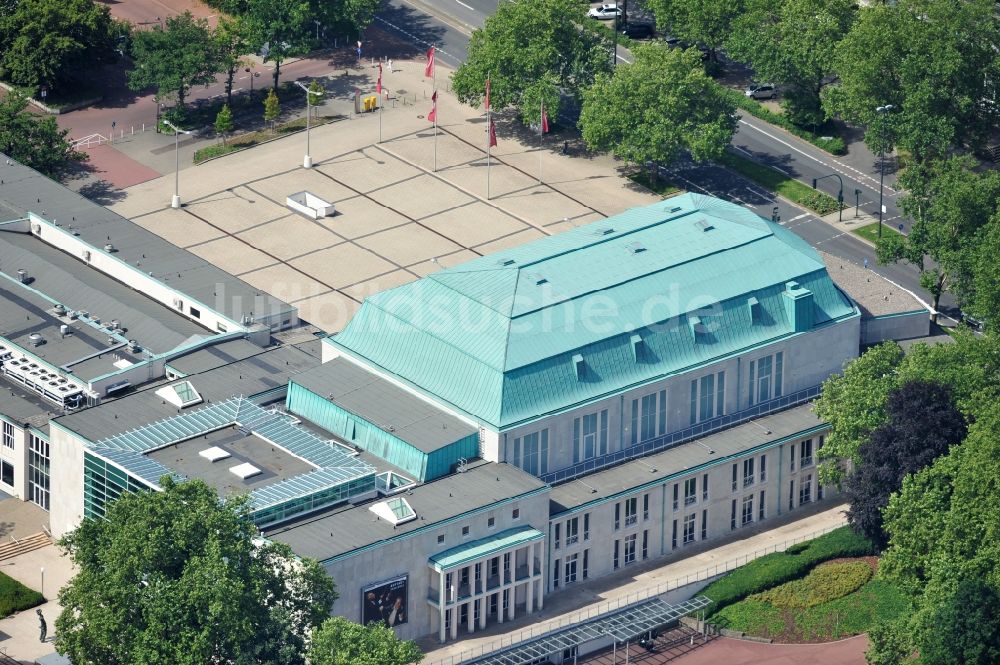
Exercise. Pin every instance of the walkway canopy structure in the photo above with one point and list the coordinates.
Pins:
(622, 625)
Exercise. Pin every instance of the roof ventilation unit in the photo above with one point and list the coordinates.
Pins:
(133, 346)
(245, 470)
(214, 454)
(636, 247)
(110, 249)
(36, 339)
(178, 303)
(604, 232)
(704, 225)
(636, 342)
(36, 228)
(22, 276)
(507, 262)
(578, 366)
(85, 254)
(59, 310)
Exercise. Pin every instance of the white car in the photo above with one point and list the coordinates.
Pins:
(605, 12)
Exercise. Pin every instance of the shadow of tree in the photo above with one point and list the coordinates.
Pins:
(102, 192)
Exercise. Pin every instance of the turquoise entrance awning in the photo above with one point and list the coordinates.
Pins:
(477, 549)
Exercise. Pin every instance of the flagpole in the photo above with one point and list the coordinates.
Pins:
(380, 117)
(434, 75)
(489, 139)
(541, 133)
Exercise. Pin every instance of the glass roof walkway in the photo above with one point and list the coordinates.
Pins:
(623, 625)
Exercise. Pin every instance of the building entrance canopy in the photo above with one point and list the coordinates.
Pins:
(484, 547)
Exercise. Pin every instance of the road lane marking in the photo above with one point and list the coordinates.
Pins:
(465, 5)
(805, 214)
(437, 48)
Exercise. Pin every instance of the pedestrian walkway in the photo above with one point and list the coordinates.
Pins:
(632, 584)
(46, 570)
(742, 652)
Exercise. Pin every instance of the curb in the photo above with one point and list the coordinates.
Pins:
(53, 110)
(427, 8)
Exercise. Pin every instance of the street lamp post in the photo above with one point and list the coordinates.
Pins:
(882, 111)
(307, 161)
(840, 194)
(175, 201)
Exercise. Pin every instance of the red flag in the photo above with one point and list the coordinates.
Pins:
(429, 68)
(493, 134)
(432, 116)
(487, 94)
(378, 84)
(545, 121)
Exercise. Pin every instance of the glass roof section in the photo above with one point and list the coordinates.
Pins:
(396, 511)
(623, 625)
(181, 394)
(334, 464)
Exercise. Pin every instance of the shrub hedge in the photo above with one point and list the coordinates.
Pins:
(824, 583)
(832, 144)
(780, 567)
(776, 181)
(15, 597)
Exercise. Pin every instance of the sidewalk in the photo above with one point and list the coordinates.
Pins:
(19, 632)
(580, 599)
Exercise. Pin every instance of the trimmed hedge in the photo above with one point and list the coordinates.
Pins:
(780, 567)
(15, 597)
(776, 181)
(824, 583)
(834, 145)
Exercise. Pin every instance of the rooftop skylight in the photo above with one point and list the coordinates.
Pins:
(395, 510)
(181, 394)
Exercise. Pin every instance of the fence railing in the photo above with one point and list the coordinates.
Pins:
(601, 609)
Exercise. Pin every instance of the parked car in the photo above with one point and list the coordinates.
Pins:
(639, 30)
(761, 91)
(606, 11)
(673, 42)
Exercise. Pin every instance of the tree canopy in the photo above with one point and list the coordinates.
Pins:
(792, 43)
(342, 642)
(180, 577)
(53, 42)
(34, 140)
(175, 57)
(524, 43)
(936, 61)
(922, 422)
(657, 107)
(704, 22)
(282, 26)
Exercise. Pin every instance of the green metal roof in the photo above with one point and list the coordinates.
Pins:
(477, 549)
(496, 336)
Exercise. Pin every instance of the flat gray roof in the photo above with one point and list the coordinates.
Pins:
(215, 356)
(384, 404)
(711, 449)
(25, 190)
(275, 464)
(248, 377)
(481, 485)
(25, 407)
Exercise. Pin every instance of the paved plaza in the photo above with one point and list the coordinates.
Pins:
(397, 218)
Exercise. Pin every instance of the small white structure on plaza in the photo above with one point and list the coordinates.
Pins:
(309, 205)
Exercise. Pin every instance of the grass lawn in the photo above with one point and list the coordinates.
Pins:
(870, 231)
(778, 616)
(778, 182)
(15, 597)
(662, 187)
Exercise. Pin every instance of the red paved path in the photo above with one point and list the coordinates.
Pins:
(740, 652)
(113, 166)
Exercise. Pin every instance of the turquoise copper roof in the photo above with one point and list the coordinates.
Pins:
(647, 293)
(477, 549)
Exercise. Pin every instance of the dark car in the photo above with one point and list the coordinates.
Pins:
(639, 30)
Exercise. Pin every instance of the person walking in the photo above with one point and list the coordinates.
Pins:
(42, 627)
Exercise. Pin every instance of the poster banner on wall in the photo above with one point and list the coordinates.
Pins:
(386, 602)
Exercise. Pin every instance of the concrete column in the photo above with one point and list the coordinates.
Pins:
(471, 619)
(530, 593)
(442, 600)
(510, 605)
(454, 622)
(500, 610)
(482, 612)
(541, 584)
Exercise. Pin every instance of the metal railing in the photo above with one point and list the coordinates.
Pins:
(601, 609)
(682, 436)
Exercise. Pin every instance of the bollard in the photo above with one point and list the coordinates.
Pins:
(143, 128)
(133, 130)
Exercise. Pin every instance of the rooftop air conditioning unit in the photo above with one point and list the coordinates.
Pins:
(36, 228)
(178, 303)
(85, 254)
(109, 248)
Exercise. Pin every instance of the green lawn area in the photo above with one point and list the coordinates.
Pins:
(662, 187)
(775, 181)
(15, 597)
(870, 231)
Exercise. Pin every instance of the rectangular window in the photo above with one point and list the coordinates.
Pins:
(765, 378)
(631, 509)
(556, 568)
(763, 468)
(8, 435)
(465, 532)
(590, 436)
(732, 518)
(694, 401)
(778, 362)
(677, 490)
(673, 537)
(649, 417)
(440, 538)
(791, 494)
(6, 473)
(662, 428)
(635, 422)
(806, 456)
(704, 487)
(747, 516)
(586, 526)
(555, 536)
(645, 507)
(616, 555)
(735, 467)
(515, 514)
(760, 507)
(704, 524)
(38, 471)
(645, 543)
(707, 398)
(791, 451)
(194, 312)
(690, 491)
(805, 490)
(748, 475)
(572, 531)
(534, 451)
(586, 563)
(491, 522)
(618, 516)
(720, 394)
(571, 568)
(689, 528)
(630, 549)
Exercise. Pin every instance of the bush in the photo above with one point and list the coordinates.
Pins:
(823, 584)
(833, 144)
(15, 597)
(774, 569)
(778, 182)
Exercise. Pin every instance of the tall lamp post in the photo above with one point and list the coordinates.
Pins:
(840, 194)
(307, 161)
(175, 201)
(882, 111)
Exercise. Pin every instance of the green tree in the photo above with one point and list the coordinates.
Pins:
(342, 17)
(279, 29)
(792, 43)
(174, 58)
(950, 203)
(54, 42)
(704, 22)
(523, 43)
(934, 60)
(965, 627)
(181, 577)
(232, 39)
(272, 107)
(890, 643)
(34, 140)
(315, 96)
(342, 642)
(652, 110)
(985, 301)
(224, 122)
